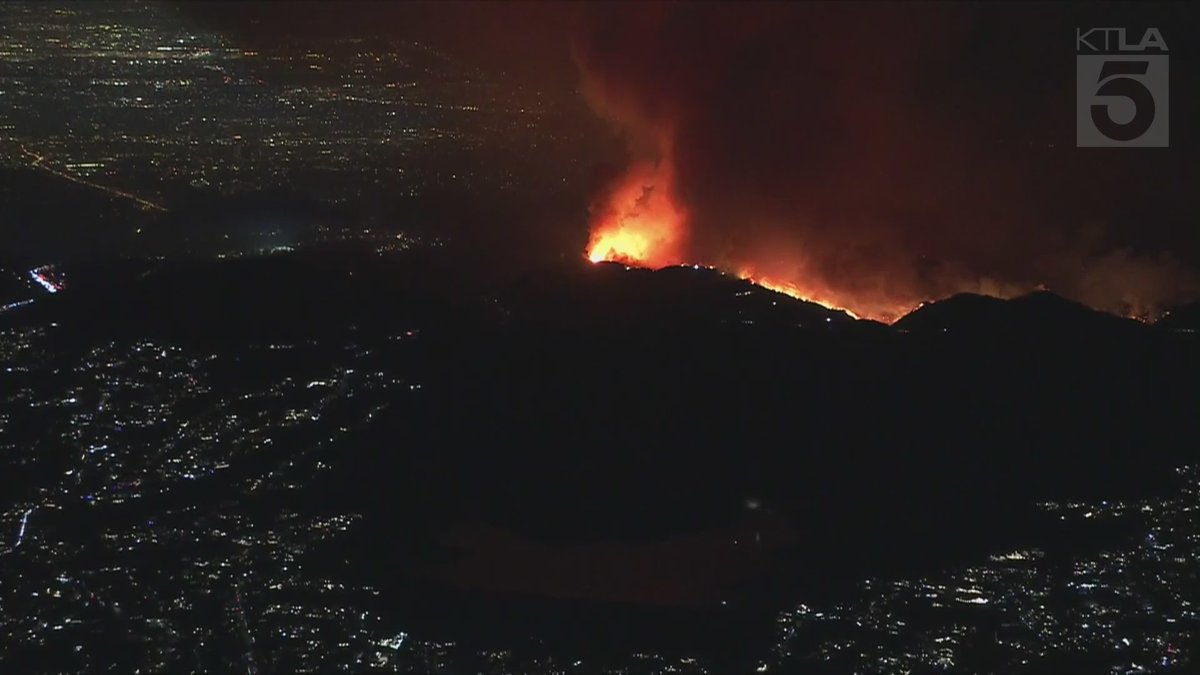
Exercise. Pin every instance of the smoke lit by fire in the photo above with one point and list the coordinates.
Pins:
(805, 147)
(639, 223)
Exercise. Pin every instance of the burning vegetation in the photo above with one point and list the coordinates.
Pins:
(815, 151)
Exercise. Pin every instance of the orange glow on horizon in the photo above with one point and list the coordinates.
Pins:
(792, 290)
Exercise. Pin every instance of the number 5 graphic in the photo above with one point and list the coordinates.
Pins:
(1114, 83)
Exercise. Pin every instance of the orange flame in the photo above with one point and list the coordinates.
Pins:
(641, 223)
(795, 291)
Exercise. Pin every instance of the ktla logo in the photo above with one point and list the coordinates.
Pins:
(1121, 89)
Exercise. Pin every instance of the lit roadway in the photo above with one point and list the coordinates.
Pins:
(39, 163)
(21, 532)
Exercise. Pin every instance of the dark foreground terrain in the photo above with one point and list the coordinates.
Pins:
(328, 459)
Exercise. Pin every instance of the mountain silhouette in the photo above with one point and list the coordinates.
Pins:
(1038, 313)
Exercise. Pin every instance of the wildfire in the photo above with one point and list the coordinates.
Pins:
(630, 247)
(640, 223)
(626, 244)
(793, 290)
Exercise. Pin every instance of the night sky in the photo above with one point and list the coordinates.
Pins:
(878, 154)
(868, 156)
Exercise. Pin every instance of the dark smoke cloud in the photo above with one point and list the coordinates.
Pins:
(891, 152)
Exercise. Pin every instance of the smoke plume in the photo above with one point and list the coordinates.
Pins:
(864, 157)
